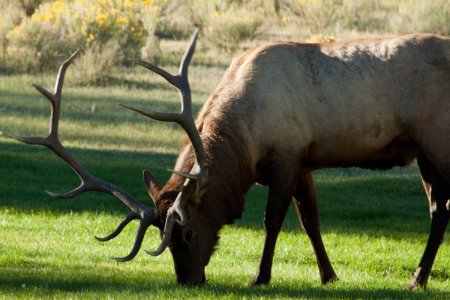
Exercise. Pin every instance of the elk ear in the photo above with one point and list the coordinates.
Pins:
(152, 186)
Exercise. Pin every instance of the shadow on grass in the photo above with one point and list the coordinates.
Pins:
(76, 108)
(351, 204)
(392, 206)
(26, 172)
(102, 282)
(111, 81)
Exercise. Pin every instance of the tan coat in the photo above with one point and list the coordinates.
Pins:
(372, 103)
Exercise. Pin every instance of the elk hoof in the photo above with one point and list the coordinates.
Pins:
(419, 281)
(260, 280)
(330, 278)
(415, 285)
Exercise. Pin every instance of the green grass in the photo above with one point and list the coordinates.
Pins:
(375, 224)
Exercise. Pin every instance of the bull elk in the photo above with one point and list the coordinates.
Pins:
(280, 112)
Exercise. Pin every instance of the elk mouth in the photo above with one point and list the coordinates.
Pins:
(197, 281)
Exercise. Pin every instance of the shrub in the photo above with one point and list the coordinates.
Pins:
(316, 16)
(58, 27)
(226, 30)
(12, 14)
(150, 21)
(226, 23)
(422, 16)
(35, 47)
(336, 17)
(333, 17)
(35, 34)
(97, 63)
(29, 6)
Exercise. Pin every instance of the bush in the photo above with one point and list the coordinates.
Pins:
(8, 21)
(150, 21)
(226, 30)
(226, 23)
(29, 6)
(97, 63)
(422, 16)
(333, 17)
(32, 48)
(338, 17)
(57, 28)
(36, 34)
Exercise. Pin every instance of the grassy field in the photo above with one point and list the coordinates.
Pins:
(375, 225)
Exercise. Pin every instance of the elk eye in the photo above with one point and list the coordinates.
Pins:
(188, 235)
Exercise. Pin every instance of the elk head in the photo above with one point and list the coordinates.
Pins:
(176, 204)
(190, 236)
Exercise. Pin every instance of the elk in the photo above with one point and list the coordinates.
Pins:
(280, 112)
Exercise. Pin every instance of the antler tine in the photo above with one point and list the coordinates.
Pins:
(62, 72)
(130, 217)
(178, 208)
(186, 60)
(69, 195)
(140, 233)
(27, 139)
(159, 116)
(168, 227)
(146, 214)
(166, 75)
(45, 92)
(185, 119)
(54, 101)
(188, 126)
(183, 71)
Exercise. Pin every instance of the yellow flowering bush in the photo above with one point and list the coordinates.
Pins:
(37, 34)
(58, 27)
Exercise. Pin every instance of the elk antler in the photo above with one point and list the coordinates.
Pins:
(147, 215)
(177, 211)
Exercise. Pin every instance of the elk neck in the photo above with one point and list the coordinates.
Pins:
(229, 173)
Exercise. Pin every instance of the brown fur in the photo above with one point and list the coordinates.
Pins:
(285, 109)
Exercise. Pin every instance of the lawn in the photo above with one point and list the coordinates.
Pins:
(374, 224)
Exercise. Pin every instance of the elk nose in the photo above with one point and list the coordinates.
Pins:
(192, 281)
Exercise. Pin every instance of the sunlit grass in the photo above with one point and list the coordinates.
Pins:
(375, 225)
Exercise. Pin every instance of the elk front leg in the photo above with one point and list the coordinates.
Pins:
(305, 202)
(281, 188)
(438, 193)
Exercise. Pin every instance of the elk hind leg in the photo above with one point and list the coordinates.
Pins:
(437, 189)
(305, 202)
